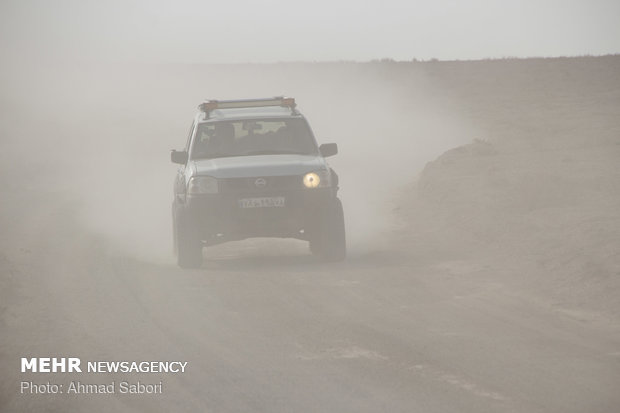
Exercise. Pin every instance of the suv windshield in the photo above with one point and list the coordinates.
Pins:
(253, 137)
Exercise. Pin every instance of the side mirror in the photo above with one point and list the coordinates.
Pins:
(328, 149)
(179, 157)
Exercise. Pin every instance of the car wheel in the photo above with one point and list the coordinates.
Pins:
(330, 243)
(315, 246)
(187, 244)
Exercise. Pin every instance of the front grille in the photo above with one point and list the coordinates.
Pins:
(260, 184)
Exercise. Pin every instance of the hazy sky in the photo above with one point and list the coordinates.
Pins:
(319, 30)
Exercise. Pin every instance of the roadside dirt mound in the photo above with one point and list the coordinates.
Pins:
(538, 204)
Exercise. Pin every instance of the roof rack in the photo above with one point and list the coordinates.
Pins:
(212, 105)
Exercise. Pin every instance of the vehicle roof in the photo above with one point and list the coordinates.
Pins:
(251, 113)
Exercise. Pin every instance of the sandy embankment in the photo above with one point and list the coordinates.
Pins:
(537, 203)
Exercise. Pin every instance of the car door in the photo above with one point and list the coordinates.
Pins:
(180, 180)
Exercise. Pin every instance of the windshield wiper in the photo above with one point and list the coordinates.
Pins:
(215, 155)
(276, 152)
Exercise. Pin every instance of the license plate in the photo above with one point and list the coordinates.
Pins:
(268, 202)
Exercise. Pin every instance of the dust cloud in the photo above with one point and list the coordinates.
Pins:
(108, 129)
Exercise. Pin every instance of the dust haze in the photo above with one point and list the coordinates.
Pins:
(114, 126)
(482, 212)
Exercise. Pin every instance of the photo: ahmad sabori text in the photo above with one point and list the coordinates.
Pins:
(77, 387)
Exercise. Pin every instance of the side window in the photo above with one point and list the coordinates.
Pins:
(189, 137)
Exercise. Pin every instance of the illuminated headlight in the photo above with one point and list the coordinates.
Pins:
(318, 179)
(202, 185)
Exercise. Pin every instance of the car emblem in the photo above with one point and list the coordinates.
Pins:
(260, 183)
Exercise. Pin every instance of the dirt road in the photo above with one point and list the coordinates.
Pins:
(264, 327)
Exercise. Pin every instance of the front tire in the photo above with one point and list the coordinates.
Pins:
(330, 243)
(187, 243)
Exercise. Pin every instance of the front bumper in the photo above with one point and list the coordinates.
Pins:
(220, 217)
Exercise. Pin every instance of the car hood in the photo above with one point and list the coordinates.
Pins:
(258, 165)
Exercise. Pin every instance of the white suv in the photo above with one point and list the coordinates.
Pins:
(252, 168)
